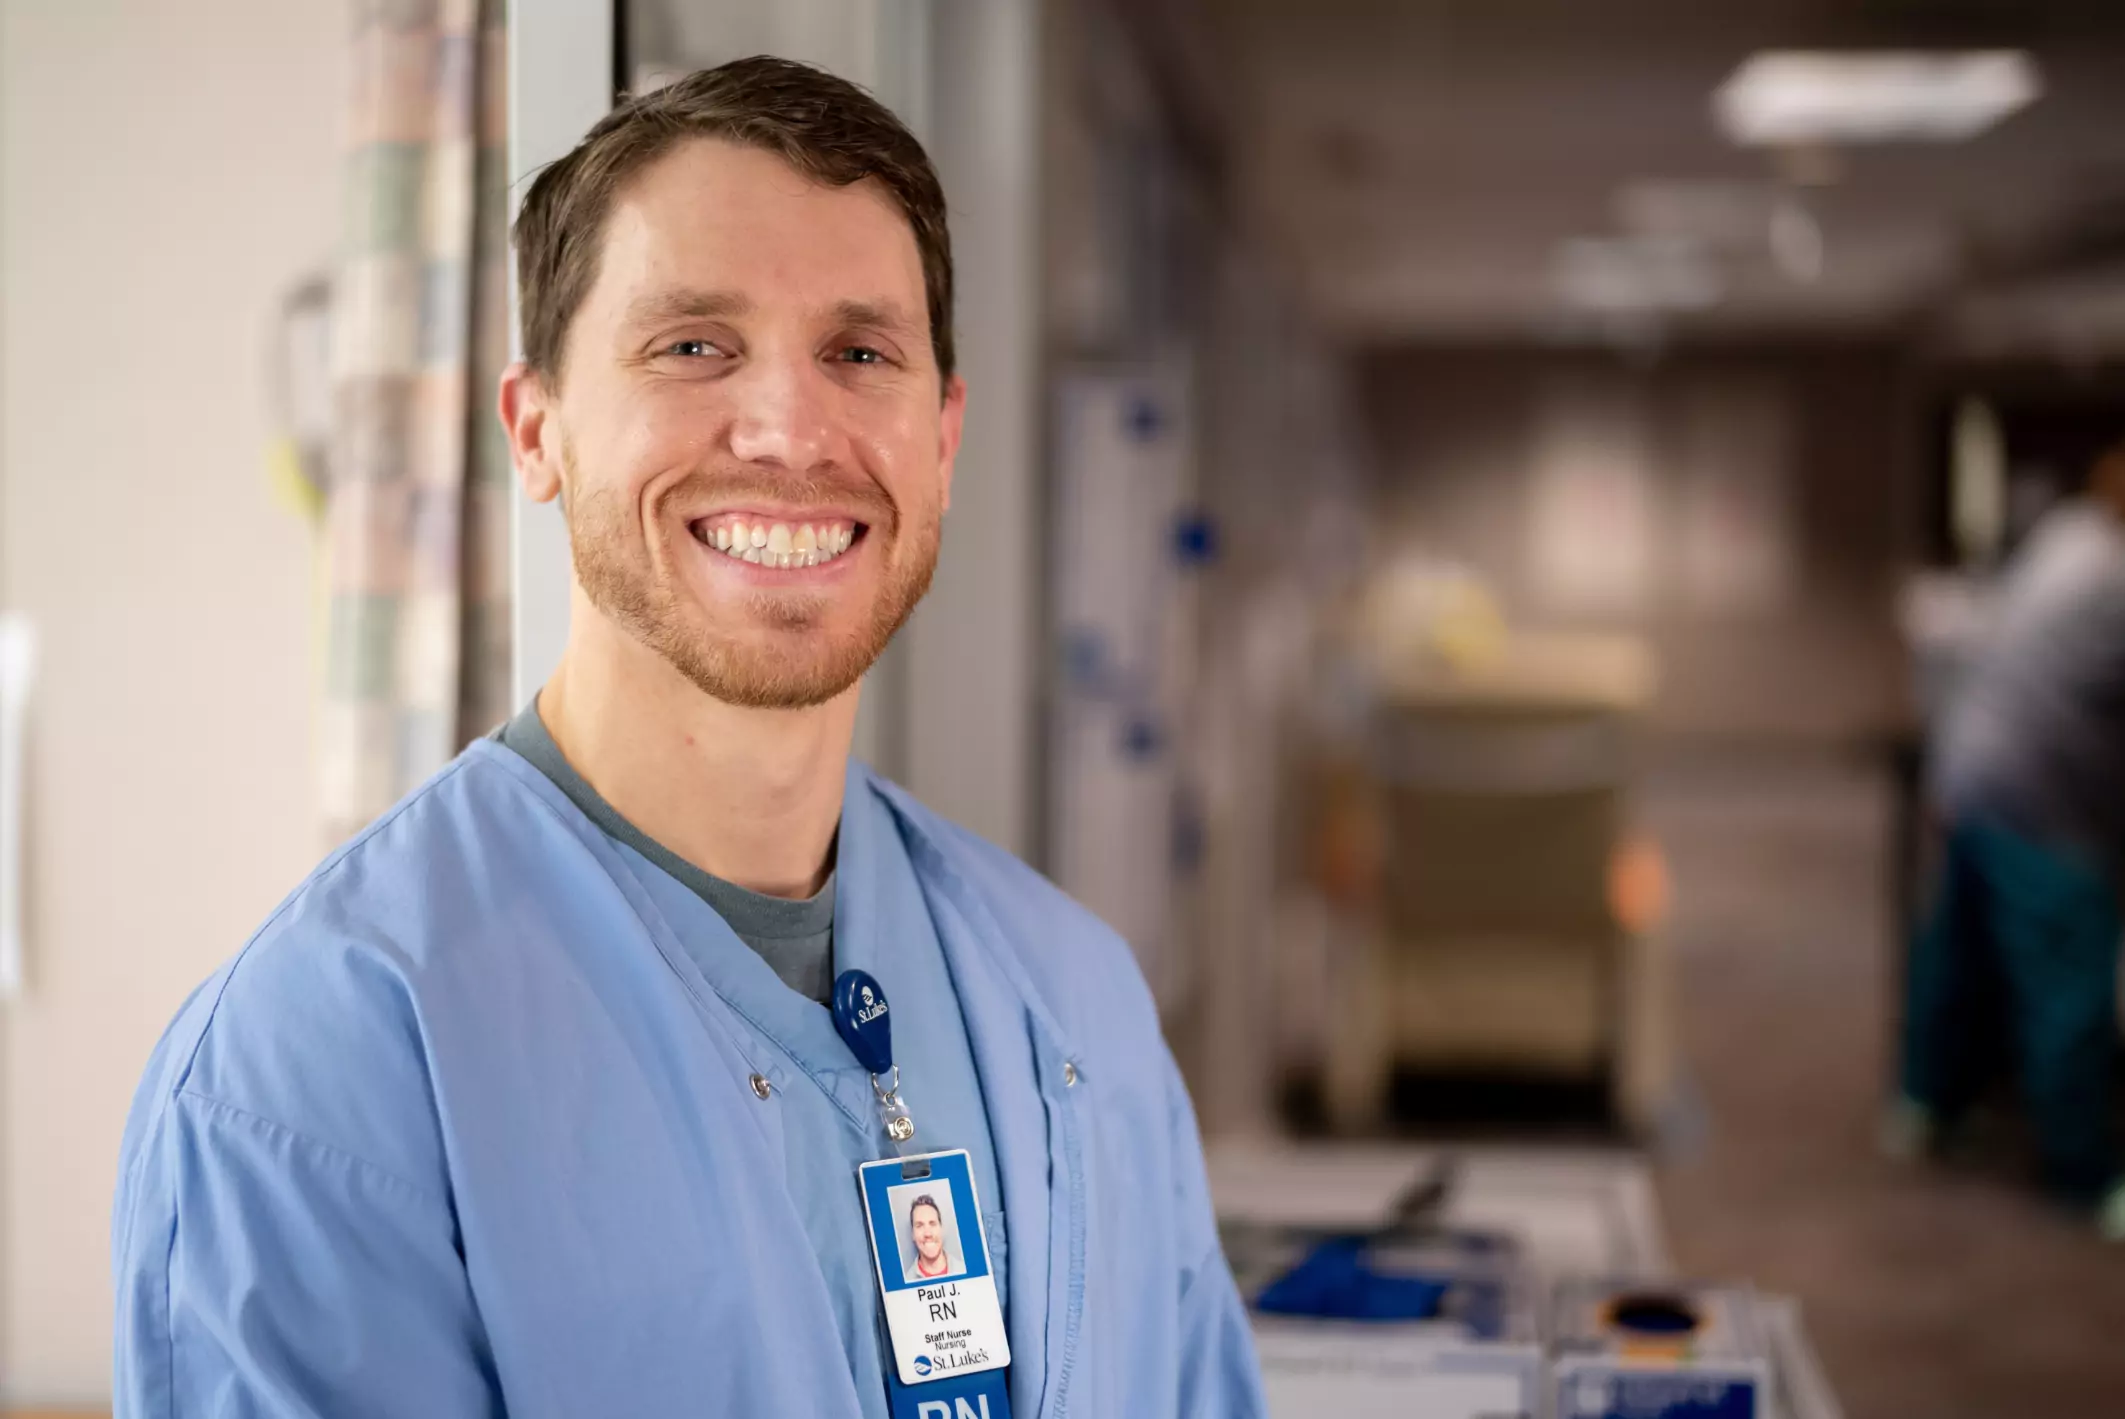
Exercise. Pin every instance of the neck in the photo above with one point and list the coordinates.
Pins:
(929, 1268)
(749, 795)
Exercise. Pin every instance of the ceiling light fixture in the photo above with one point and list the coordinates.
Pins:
(1783, 97)
(1619, 275)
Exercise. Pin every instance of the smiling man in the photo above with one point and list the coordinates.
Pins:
(529, 1101)
(926, 1228)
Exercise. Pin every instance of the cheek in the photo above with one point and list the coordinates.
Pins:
(903, 451)
(674, 419)
(646, 434)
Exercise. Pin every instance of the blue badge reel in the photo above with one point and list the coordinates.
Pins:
(865, 1023)
(863, 1020)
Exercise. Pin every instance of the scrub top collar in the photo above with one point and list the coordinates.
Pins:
(881, 806)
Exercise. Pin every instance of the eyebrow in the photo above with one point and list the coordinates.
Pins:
(877, 315)
(687, 305)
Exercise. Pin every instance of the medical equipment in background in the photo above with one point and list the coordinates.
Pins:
(1514, 921)
(1414, 1314)
(1124, 600)
(1628, 1350)
(1546, 1272)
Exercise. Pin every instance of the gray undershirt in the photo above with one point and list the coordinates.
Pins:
(795, 938)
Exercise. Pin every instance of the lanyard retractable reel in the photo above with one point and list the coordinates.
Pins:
(866, 1027)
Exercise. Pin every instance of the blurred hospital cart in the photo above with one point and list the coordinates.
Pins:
(1561, 1214)
(1515, 926)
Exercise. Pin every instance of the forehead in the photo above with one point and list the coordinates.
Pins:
(714, 215)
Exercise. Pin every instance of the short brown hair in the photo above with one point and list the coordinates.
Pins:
(823, 126)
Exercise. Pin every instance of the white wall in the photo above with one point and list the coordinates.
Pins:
(560, 83)
(967, 717)
(164, 170)
(1755, 540)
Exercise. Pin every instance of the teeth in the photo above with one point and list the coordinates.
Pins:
(781, 544)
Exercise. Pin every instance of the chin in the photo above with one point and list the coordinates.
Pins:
(782, 670)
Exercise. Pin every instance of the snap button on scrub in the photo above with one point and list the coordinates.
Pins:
(1069, 1075)
(761, 1087)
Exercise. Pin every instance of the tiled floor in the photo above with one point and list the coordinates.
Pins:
(1930, 1294)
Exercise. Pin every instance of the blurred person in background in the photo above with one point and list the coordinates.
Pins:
(2019, 951)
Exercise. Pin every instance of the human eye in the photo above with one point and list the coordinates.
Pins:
(862, 355)
(693, 348)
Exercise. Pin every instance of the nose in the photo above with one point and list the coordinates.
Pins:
(782, 416)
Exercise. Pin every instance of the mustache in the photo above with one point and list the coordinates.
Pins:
(800, 491)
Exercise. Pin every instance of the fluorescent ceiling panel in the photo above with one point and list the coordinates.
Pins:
(1625, 275)
(1798, 96)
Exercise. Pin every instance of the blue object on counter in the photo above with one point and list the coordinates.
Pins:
(1335, 1282)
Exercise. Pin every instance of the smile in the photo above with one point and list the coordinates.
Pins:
(778, 544)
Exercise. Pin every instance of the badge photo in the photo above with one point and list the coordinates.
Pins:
(941, 1308)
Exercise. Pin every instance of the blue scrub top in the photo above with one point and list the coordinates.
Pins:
(469, 1128)
(881, 925)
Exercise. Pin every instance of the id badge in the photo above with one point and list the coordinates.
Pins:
(942, 1315)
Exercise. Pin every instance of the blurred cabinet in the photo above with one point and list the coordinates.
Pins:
(1516, 932)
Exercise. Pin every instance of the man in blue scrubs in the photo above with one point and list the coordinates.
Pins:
(527, 1102)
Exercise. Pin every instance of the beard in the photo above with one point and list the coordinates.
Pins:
(779, 653)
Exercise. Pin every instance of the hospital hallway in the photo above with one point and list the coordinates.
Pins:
(1942, 1293)
(1467, 524)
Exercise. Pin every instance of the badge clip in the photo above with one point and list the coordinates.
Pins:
(864, 1022)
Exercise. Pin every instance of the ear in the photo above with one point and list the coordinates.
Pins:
(949, 427)
(534, 442)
